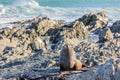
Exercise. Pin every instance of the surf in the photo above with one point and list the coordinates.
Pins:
(28, 9)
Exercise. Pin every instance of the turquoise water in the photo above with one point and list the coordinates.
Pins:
(80, 3)
(70, 3)
(13, 10)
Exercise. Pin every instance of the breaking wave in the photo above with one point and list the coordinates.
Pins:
(27, 9)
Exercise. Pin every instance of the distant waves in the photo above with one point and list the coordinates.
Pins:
(27, 9)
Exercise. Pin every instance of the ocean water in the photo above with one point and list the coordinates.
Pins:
(15, 10)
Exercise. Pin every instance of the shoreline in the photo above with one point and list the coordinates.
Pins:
(31, 48)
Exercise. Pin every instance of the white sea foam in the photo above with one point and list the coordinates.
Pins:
(2, 10)
(29, 3)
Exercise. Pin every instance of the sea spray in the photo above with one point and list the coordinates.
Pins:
(28, 9)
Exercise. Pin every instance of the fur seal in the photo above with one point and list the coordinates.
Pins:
(68, 60)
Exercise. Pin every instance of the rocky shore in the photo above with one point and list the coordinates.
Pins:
(31, 49)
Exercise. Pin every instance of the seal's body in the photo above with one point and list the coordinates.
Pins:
(68, 59)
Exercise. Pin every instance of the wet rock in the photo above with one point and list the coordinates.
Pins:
(94, 21)
(6, 31)
(38, 44)
(17, 78)
(52, 62)
(77, 31)
(116, 75)
(94, 54)
(33, 35)
(45, 24)
(3, 43)
(19, 32)
(47, 42)
(1, 37)
(74, 41)
(2, 78)
(106, 35)
(116, 27)
(107, 71)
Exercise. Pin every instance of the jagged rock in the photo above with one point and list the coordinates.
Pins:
(94, 21)
(16, 78)
(94, 54)
(21, 48)
(107, 71)
(116, 27)
(6, 42)
(3, 43)
(52, 62)
(77, 31)
(45, 24)
(46, 40)
(8, 32)
(1, 37)
(117, 41)
(33, 35)
(2, 78)
(106, 35)
(19, 32)
(38, 44)
(17, 53)
(74, 42)
(117, 73)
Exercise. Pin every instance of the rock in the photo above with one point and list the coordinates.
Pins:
(77, 31)
(74, 42)
(45, 24)
(46, 40)
(107, 71)
(8, 32)
(106, 35)
(2, 78)
(52, 62)
(17, 78)
(1, 37)
(116, 27)
(94, 21)
(94, 54)
(3, 43)
(38, 44)
(19, 32)
(24, 48)
(33, 35)
(117, 73)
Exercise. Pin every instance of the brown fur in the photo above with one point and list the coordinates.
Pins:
(68, 59)
(78, 65)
